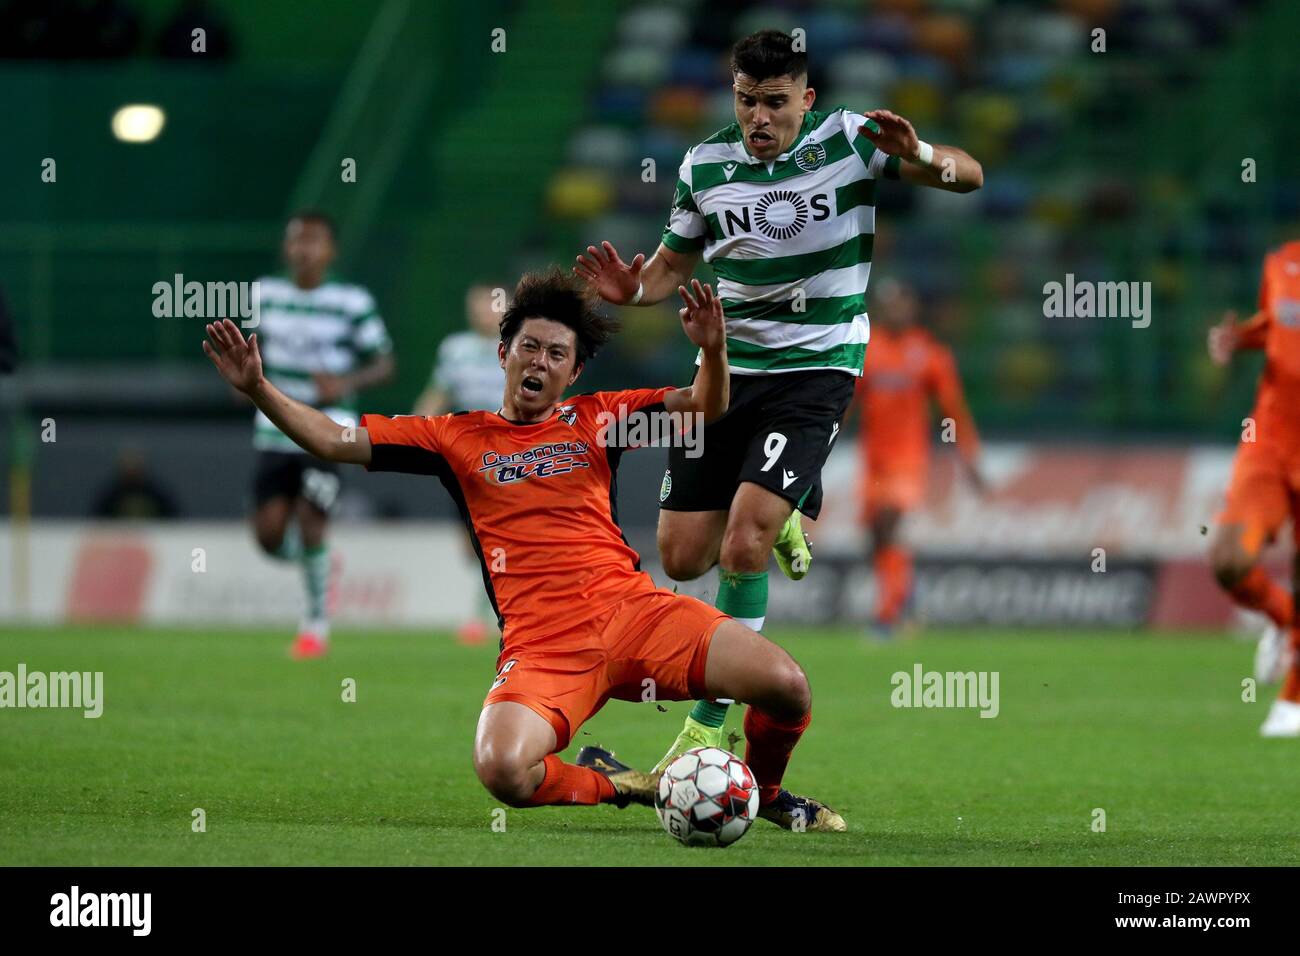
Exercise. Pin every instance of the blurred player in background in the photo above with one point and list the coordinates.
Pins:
(906, 367)
(1265, 487)
(468, 376)
(322, 341)
(781, 204)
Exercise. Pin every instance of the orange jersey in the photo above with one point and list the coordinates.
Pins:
(1276, 330)
(539, 500)
(902, 373)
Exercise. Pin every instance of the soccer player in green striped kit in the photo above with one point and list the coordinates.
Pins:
(782, 205)
(322, 341)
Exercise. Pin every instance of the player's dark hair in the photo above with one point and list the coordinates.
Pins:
(766, 54)
(553, 295)
(315, 215)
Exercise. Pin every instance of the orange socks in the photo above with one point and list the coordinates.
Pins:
(567, 783)
(893, 567)
(1259, 592)
(768, 744)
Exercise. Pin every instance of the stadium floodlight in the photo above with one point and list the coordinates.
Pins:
(138, 122)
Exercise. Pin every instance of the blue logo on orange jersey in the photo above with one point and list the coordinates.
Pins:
(540, 461)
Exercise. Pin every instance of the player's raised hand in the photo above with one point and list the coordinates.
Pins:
(613, 279)
(238, 361)
(702, 317)
(891, 134)
(1222, 339)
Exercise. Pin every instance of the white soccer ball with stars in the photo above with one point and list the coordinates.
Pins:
(707, 797)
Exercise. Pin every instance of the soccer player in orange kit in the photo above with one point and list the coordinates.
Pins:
(1265, 487)
(905, 368)
(581, 623)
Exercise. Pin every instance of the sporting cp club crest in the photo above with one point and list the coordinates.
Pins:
(666, 488)
(810, 156)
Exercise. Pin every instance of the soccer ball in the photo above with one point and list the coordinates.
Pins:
(707, 797)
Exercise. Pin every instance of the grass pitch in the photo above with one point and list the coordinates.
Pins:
(1152, 730)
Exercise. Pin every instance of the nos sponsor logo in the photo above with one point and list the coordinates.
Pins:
(778, 214)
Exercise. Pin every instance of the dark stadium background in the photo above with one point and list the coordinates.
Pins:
(474, 165)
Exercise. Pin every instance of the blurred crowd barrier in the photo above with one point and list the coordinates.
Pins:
(1098, 537)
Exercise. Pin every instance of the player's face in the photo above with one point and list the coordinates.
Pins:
(770, 112)
(541, 363)
(308, 249)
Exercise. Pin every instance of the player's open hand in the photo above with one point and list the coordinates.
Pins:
(613, 279)
(892, 134)
(702, 316)
(1222, 339)
(238, 361)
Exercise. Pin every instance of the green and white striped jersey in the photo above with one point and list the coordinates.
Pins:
(469, 371)
(789, 241)
(332, 329)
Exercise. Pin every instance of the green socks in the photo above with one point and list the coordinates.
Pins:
(743, 595)
(316, 573)
(290, 545)
(709, 713)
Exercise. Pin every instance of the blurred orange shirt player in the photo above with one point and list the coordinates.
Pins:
(905, 368)
(1264, 491)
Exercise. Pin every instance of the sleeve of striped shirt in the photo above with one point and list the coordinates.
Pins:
(879, 165)
(686, 228)
(369, 334)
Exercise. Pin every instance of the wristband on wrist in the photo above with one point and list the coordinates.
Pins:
(924, 153)
(640, 291)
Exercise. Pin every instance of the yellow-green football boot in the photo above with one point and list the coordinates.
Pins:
(694, 734)
(793, 548)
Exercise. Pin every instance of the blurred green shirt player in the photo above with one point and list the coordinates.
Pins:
(467, 376)
(322, 341)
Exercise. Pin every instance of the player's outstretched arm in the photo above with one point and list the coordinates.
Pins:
(1221, 341)
(618, 282)
(703, 324)
(941, 167)
(1230, 336)
(240, 364)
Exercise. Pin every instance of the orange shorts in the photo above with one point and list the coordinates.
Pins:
(901, 488)
(1264, 492)
(650, 635)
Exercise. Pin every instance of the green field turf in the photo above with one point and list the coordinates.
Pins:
(1152, 730)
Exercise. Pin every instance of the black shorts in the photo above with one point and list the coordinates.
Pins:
(776, 433)
(291, 474)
